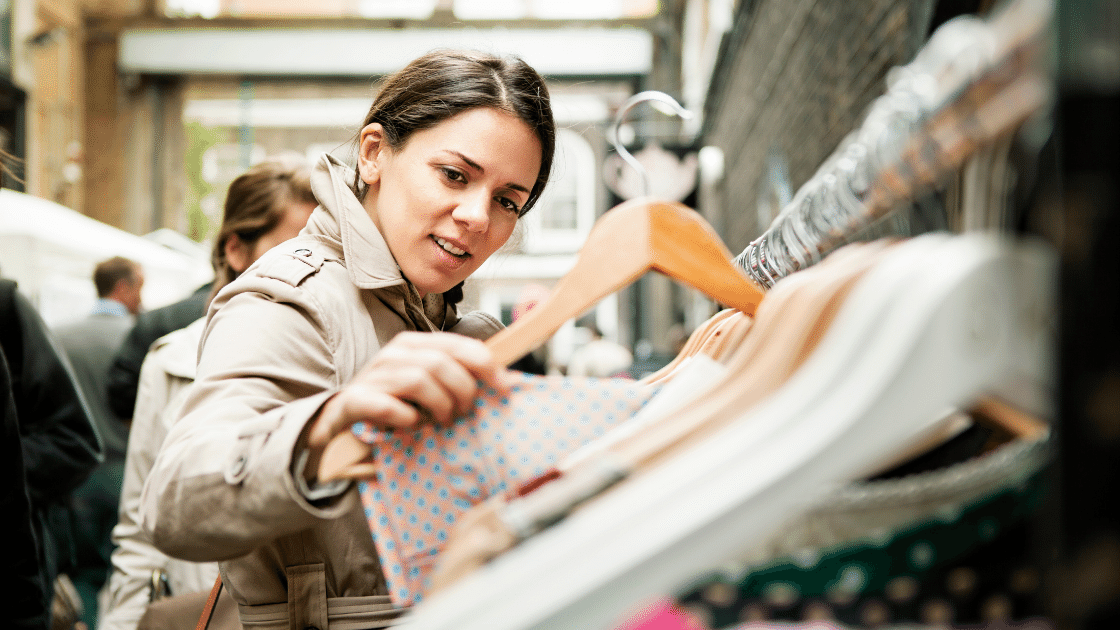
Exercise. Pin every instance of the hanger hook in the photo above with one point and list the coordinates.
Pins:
(642, 97)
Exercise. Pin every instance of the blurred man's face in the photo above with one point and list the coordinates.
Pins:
(130, 293)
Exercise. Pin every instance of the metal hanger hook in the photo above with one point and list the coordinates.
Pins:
(642, 97)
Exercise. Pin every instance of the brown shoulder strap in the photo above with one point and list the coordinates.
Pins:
(211, 601)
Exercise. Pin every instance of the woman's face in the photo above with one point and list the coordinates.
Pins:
(450, 196)
(240, 255)
(295, 217)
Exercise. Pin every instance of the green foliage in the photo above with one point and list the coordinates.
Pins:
(199, 140)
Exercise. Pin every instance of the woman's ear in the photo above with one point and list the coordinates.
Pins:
(371, 146)
(237, 253)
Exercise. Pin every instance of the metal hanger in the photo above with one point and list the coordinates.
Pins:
(642, 97)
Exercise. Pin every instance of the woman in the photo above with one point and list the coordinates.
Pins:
(265, 206)
(326, 331)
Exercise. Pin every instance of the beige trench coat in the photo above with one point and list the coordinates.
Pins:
(292, 330)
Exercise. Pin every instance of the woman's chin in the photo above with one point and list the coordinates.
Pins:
(434, 285)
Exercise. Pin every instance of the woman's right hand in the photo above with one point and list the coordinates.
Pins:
(416, 376)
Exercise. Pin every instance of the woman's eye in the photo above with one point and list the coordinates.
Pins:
(453, 175)
(508, 204)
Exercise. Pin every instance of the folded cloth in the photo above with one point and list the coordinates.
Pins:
(427, 478)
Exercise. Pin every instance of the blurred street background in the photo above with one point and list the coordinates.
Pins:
(129, 118)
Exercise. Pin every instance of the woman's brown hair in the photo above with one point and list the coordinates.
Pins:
(255, 204)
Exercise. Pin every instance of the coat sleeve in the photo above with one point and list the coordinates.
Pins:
(222, 483)
(135, 558)
(61, 446)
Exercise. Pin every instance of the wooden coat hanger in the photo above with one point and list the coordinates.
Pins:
(634, 238)
(691, 347)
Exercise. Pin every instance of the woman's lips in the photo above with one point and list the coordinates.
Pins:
(451, 247)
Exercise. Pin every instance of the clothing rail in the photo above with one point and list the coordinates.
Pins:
(974, 81)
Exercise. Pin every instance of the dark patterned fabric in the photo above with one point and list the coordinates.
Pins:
(969, 567)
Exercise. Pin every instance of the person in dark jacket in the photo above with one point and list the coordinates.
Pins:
(59, 442)
(124, 373)
(28, 595)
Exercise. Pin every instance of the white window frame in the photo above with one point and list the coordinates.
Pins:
(574, 158)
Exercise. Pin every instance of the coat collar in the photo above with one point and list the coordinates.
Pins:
(342, 217)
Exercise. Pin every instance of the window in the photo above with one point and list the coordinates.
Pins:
(563, 217)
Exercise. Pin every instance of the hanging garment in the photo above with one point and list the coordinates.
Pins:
(934, 324)
(947, 546)
(427, 478)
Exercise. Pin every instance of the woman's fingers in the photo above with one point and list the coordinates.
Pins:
(470, 353)
(415, 377)
(358, 403)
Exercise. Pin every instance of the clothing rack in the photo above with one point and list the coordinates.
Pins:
(969, 63)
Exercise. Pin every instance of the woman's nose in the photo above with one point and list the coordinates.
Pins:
(474, 212)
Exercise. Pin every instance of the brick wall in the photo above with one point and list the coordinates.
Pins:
(796, 76)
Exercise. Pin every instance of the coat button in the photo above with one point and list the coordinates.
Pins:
(303, 252)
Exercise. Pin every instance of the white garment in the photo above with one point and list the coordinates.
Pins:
(168, 370)
(599, 358)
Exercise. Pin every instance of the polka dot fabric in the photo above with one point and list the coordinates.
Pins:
(427, 478)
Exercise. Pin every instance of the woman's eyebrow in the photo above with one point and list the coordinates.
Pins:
(478, 167)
